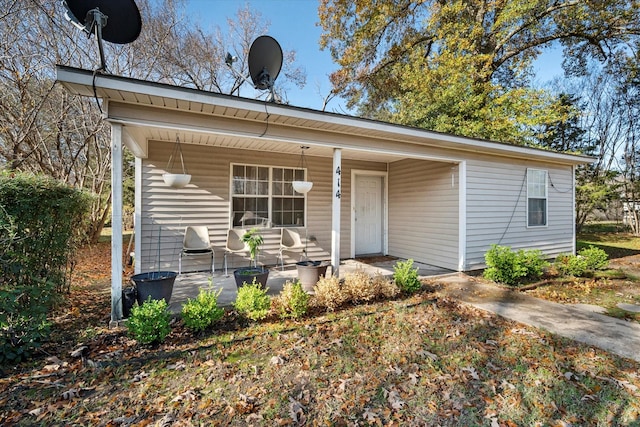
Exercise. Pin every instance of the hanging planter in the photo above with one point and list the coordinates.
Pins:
(176, 180)
(302, 187)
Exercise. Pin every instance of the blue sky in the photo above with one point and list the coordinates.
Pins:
(293, 25)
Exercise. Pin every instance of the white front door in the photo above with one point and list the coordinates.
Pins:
(368, 218)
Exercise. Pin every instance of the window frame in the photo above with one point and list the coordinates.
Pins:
(270, 196)
(545, 198)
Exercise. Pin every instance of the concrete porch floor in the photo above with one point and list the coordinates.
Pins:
(187, 285)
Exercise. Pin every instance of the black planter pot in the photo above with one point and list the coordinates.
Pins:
(246, 275)
(155, 284)
(309, 272)
(129, 295)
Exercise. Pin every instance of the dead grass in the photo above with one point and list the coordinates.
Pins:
(421, 360)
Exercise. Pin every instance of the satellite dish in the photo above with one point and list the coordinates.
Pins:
(265, 61)
(116, 21)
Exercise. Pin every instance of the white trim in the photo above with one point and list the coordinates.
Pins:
(415, 154)
(385, 207)
(71, 78)
(335, 211)
(462, 216)
(116, 222)
(546, 197)
(137, 218)
(573, 209)
(269, 196)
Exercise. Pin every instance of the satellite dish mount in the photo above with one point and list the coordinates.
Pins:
(96, 21)
(116, 21)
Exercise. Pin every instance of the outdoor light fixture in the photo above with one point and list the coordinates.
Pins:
(176, 180)
(302, 187)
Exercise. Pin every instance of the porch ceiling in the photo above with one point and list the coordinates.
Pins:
(137, 136)
(151, 111)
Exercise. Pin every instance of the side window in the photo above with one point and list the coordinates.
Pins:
(536, 197)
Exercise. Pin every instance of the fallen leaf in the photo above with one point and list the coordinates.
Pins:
(472, 371)
(78, 352)
(369, 416)
(276, 360)
(71, 394)
(296, 411)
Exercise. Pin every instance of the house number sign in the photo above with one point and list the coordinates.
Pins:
(337, 178)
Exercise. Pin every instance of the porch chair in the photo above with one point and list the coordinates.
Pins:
(234, 245)
(196, 243)
(290, 240)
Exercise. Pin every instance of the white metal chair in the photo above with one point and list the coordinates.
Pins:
(234, 245)
(196, 243)
(290, 240)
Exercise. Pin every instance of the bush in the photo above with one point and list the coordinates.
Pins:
(509, 267)
(588, 259)
(533, 262)
(149, 322)
(384, 287)
(21, 336)
(329, 293)
(252, 301)
(595, 258)
(570, 265)
(293, 301)
(359, 287)
(41, 226)
(202, 312)
(406, 277)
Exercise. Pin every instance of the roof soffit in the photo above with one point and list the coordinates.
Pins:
(253, 118)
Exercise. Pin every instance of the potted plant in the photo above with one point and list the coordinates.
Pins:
(254, 240)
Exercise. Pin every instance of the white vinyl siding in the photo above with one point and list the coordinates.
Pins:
(166, 211)
(422, 203)
(497, 209)
(423, 212)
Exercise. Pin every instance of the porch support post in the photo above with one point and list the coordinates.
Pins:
(116, 223)
(335, 212)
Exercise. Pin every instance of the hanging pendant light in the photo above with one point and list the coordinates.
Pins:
(302, 187)
(176, 180)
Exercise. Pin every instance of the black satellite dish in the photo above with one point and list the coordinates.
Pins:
(265, 61)
(116, 21)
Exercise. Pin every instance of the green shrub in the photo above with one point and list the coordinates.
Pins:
(41, 226)
(293, 301)
(534, 262)
(406, 277)
(595, 258)
(570, 265)
(252, 301)
(328, 293)
(202, 312)
(588, 259)
(149, 322)
(511, 268)
(21, 336)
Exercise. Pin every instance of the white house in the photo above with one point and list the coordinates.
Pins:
(378, 188)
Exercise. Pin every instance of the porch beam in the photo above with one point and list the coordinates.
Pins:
(335, 212)
(116, 224)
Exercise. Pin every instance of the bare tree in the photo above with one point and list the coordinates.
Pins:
(44, 130)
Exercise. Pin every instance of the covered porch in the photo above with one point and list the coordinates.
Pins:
(378, 188)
